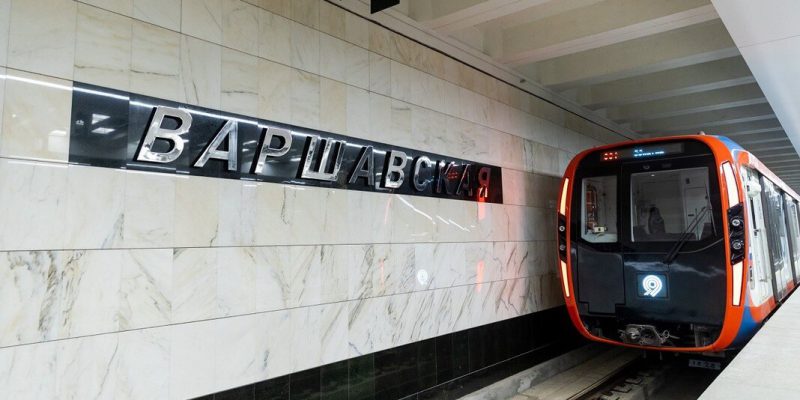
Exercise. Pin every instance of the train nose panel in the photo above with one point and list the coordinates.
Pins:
(601, 281)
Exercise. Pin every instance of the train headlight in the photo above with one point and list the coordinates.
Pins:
(737, 284)
(736, 234)
(562, 235)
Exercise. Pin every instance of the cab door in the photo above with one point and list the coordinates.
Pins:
(761, 282)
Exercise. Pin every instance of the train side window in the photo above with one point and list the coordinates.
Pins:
(778, 242)
(599, 209)
(794, 232)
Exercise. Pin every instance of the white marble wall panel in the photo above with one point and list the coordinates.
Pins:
(32, 205)
(201, 72)
(103, 48)
(2, 98)
(121, 284)
(156, 61)
(240, 26)
(164, 13)
(42, 37)
(202, 19)
(5, 18)
(36, 114)
(274, 37)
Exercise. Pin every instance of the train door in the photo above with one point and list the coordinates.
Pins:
(776, 237)
(794, 234)
(760, 278)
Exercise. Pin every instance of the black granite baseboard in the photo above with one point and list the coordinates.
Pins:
(444, 367)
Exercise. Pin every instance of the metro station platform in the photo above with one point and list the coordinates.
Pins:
(767, 367)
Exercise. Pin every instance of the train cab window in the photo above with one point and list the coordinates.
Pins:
(668, 204)
(599, 209)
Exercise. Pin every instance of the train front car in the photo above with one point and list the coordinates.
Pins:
(645, 249)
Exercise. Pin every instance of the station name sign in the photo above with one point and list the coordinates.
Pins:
(124, 130)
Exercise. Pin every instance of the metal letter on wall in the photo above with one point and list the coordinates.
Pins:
(392, 169)
(230, 131)
(365, 167)
(320, 173)
(418, 165)
(267, 151)
(155, 131)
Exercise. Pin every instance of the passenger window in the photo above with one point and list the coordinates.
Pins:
(599, 209)
(776, 226)
(794, 231)
(667, 204)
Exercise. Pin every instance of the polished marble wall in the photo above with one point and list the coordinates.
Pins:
(123, 284)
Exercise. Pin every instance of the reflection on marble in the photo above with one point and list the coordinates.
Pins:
(47, 46)
(494, 221)
(443, 264)
(382, 269)
(36, 114)
(103, 48)
(414, 219)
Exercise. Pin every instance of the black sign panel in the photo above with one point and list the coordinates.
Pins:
(117, 129)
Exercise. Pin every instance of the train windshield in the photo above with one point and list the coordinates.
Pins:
(669, 205)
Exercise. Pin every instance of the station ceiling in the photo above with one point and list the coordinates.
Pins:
(652, 67)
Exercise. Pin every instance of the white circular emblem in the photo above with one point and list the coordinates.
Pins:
(652, 285)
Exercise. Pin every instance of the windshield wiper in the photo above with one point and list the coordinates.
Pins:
(685, 236)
